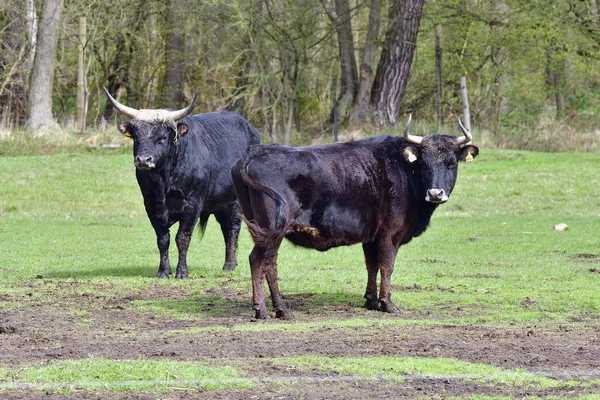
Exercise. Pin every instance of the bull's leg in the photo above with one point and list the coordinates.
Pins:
(370, 250)
(230, 221)
(281, 311)
(163, 239)
(258, 271)
(386, 256)
(183, 238)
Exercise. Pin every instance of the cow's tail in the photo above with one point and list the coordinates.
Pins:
(261, 235)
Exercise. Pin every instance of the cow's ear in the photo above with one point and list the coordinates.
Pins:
(125, 129)
(468, 153)
(411, 154)
(182, 129)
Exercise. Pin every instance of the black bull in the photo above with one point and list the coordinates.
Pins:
(183, 167)
(380, 192)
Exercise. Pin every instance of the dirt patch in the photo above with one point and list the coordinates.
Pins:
(45, 328)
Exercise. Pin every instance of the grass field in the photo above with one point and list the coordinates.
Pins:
(80, 311)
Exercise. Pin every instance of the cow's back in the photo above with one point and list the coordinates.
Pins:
(214, 142)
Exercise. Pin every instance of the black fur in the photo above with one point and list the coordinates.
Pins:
(186, 177)
(370, 191)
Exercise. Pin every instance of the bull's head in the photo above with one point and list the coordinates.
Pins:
(437, 157)
(153, 132)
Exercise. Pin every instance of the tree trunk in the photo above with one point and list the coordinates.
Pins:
(342, 19)
(14, 73)
(174, 54)
(81, 86)
(396, 57)
(439, 76)
(367, 70)
(42, 77)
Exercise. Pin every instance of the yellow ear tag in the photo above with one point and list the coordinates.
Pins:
(128, 135)
(469, 157)
(412, 158)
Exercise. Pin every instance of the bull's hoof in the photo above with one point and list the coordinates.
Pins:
(283, 314)
(388, 306)
(373, 305)
(229, 266)
(181, 275)
(162, 275)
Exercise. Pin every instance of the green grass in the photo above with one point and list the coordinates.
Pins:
(118, 375)
(401, 368)
(490, 256)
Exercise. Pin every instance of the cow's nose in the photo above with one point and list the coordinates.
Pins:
(436, 196)
(144, 162)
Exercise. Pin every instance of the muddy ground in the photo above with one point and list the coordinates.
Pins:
(44, 328)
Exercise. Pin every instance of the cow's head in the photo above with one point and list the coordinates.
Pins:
(437, 158)
(153, 132)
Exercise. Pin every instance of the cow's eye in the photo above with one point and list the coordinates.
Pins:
(162, 141)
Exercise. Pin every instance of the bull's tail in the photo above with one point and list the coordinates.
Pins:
(260, 234)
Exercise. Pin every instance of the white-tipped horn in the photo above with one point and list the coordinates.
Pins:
(408, 136)
(177, 115)
(128, 111)
(467, 138)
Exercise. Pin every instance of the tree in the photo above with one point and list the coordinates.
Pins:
(396, 58)
(174, 53)
(40, 96)
(342, 18)
(367, 70)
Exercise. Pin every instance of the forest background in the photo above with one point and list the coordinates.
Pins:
(531, 66)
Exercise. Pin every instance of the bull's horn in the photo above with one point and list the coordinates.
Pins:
(467, 138)
(128, 111)
(408, 136)
(177, 115)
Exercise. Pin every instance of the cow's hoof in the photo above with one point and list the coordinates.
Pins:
(389, 307)
(261, 314)
(372, 305)
(229, 266)
(181, 276)
(162, 275)
(283, 314)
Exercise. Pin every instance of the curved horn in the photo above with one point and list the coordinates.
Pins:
(177, 115)
(130, 112)
(468, 137)
(408, 136)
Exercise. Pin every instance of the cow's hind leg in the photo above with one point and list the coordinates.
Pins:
(230, 221)
(281, 310)
(263, 264)
(258, 271)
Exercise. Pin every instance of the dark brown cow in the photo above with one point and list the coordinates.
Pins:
(380, 192)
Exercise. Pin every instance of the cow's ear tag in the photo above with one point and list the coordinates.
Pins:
(469, 157)
(410, 155)
(182, 129)
(124, 129)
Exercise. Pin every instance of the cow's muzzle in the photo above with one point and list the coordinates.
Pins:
(436, 196)
(144, 162)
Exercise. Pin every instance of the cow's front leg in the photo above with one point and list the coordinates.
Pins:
(163, 239)
(386, 256)
(230, 221)
(370, 251)
(183, 238)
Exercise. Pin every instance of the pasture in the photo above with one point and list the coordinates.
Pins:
(494, 302)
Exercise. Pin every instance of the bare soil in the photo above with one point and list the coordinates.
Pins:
(43, 327)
